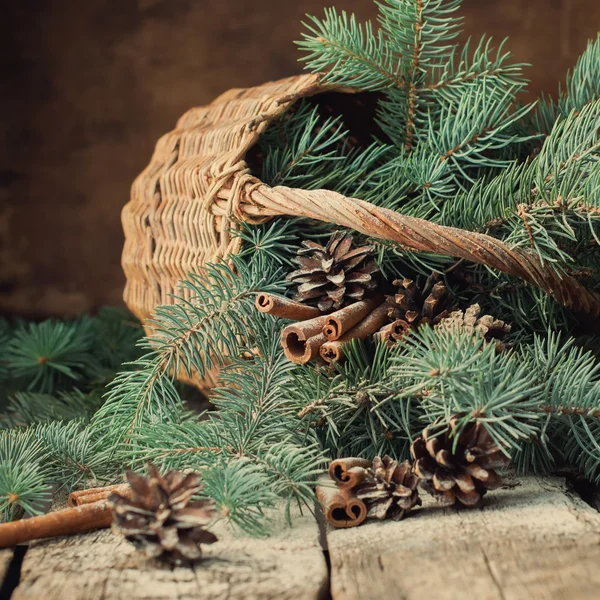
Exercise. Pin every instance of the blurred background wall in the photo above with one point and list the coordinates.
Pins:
(88, 86)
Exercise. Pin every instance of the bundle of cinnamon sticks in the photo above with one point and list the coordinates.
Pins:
(335, 491)
(317, 336)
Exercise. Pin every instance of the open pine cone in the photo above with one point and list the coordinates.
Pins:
(390, 490)
(469, 321)
(160, 518)
(420, 306)
(334, 275)
(464, 473)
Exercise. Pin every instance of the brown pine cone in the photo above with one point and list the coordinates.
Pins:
(420, 306)
(469, 321)
(389, 490)
(334, 275)
(462, 473)
(160, 519)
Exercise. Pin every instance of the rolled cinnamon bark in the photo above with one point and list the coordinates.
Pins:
(94, 515)
(392, 332)
(348, 472)
(301, 341)
(343, 320)
(96, 494)
(280, 306)
(333, 352)
(340, 507)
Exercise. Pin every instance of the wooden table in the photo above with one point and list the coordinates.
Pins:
(533, 539)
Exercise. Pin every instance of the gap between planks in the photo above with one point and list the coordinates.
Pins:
(535, 540)
(6, 557)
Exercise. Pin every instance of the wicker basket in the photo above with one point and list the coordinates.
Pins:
(197, 187)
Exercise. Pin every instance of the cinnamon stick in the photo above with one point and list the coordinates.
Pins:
(95, 515)
(348, 472)
(340, 507)
(280, 306)
(392, 332)
(332, 351)
(343, 320)
(96, 494)
(301, 341)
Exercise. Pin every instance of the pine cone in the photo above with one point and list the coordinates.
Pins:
(416, 306)
(469, 321)
(334, 276)
(465, 472)
(160, 520)
(390, 489)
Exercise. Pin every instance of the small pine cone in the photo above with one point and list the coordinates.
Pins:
(333, 276)
(462, 473)
(469, 321)
(389, 490)
(420, 306)
(160, 518)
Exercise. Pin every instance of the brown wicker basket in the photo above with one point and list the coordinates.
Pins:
(198, 186)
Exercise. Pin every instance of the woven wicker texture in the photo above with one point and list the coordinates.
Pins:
(197, 187)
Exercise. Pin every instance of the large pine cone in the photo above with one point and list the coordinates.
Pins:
(418, 306)
(334, 275)
(390, 489)
(159, 518)
(460, 469)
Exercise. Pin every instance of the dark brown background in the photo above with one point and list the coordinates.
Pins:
(89, 85)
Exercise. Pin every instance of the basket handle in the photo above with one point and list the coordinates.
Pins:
(417, 234)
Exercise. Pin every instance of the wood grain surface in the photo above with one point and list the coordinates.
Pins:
(103, 566)
(535, 540)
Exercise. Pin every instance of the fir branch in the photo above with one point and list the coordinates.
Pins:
(481, 123)
(26, 408)
(23, 474)
(456, 372)
(349, 52)
(242, 494)
(254, 432)
(74, 455)
(49, 354)
(570, 397)
(418, 32)
(459, 73)
(582, 88)
(191, 337)
(421, 31)
(116, 336)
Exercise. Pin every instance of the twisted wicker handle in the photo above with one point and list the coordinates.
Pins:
(417, 234)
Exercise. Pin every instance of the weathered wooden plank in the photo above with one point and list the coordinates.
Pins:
(102, 566)
(534, 541)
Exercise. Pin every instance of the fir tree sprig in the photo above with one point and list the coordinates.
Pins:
(450, 143)
(23, 474)
(582, 87)
(46, 354)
